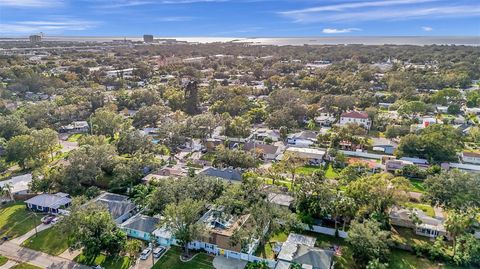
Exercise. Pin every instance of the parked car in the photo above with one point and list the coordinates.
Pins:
(145, 253)
(47, 219)
(157, 252)
(97, 267)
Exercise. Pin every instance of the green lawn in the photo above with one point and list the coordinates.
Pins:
(15, 220)
(105, 262)
(74, 137)
(25, 266)
(401, 259)
(330, 172)
(171, 260)
(417, 185)
(209, 156)
(424, 207)
(266, 251)
(51, 241)
(3, 260)
(307, 169)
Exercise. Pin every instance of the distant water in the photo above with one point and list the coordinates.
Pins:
(294, 41)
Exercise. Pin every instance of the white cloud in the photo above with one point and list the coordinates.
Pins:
(30, 3)
(174, 19)
(339, 31)
(382, 10)
(427, 28)
(56, 26)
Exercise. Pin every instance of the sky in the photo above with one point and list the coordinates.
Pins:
(240, 18)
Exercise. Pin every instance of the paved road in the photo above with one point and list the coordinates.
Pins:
(20, 254)
(8, 265)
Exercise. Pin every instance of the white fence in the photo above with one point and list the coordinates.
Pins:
(325, 230)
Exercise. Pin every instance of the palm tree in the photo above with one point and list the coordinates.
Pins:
(7, 190)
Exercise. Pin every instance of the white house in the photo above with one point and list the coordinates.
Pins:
(471, 157)
(314, 156)
(358, 117)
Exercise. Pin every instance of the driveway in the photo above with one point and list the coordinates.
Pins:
(221, 262)
(20, 254)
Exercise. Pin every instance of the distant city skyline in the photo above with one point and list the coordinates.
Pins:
(240, 18)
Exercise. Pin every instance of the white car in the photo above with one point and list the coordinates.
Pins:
(158, 252)
(145, 253)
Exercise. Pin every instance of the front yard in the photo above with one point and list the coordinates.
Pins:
(25, 266)
(15, 220)
(105, 262)
(51, 241)
(171, 260)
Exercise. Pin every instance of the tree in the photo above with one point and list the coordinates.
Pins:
(133, 141)
(133, 247)
(458, 223)
(237, 127)
(233, 157)
(6, 190)
(105, 122)
(436, 143)
(92, 228)
(368, 242)
(19, 149)
(151, 116)
(12, 125)
(467, 250)
(46, 141)
(289, 164)
(453, 190)
(182, 220)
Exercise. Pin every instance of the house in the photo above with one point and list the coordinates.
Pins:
(263, 133)
(468, 157)
(119, 206)
(301, 249)
(311, 155)
(302, 139)
(384, 145)
(280, 199)
(223, 173)
(265, 151)
(164, 173)
(392, 165)
(358, 117)
(49, 203)
(75, 127)
(20, 184)
(417, 220)
(140, 227)
(325, 119)
(220, 227)
(416, 161)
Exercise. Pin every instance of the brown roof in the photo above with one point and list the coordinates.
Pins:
(355, 114)
(471, 154)
(264, 148)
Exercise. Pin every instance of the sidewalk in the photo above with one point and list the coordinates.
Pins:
(20, 254)
(9, 265)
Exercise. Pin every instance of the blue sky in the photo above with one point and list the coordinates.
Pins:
(240, 18)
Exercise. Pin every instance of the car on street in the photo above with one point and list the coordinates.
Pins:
(145, 253)
(157, 252)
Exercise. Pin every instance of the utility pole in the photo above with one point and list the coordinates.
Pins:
(33, 215)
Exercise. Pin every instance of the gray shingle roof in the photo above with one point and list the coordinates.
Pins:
(142, 223)
(49, 200)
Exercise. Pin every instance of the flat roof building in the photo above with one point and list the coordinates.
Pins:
(147, 38)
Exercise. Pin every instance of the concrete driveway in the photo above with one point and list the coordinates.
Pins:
(221, 262)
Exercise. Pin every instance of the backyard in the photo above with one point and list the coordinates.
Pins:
(15, 220)
(105, 262)
(266, 251)
(51, 241)
(171, 260)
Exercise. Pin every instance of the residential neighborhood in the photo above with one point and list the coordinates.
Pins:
(165, 154)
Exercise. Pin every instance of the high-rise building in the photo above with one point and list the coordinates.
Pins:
(35, 38)
(148, 38)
